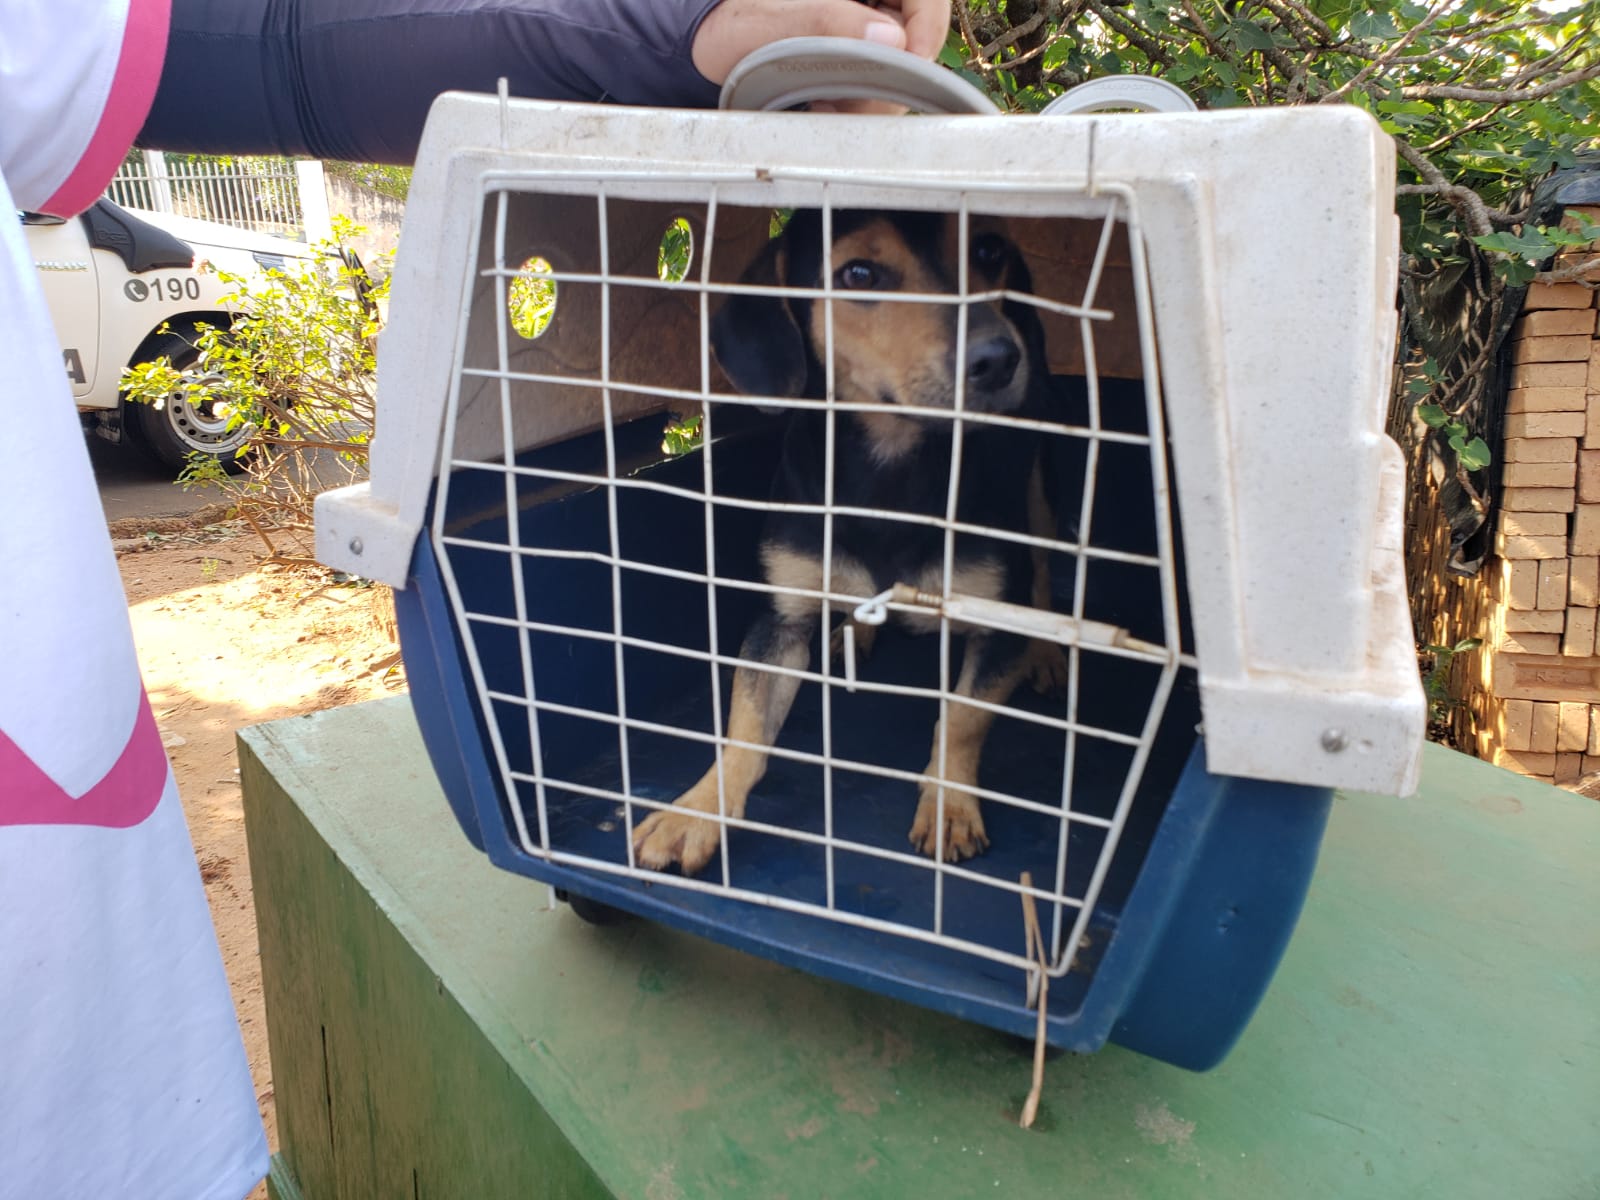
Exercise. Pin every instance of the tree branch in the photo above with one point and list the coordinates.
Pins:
(971, 38)
(1308, 19)
(1497, 216)
(1430, 91)
(1557, 60)
(1465, 201)
(1013, 35)
(1586, 273)
(1151, 49)
(1489, 28)
(1472, 126)
(1204, 30)
(1360, 78)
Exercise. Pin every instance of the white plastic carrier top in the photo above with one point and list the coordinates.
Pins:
(1271, 246)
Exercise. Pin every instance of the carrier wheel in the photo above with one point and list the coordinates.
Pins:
(593, 911)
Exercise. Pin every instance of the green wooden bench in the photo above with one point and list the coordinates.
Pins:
(437, 1030)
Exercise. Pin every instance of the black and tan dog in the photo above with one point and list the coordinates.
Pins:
(888, 355)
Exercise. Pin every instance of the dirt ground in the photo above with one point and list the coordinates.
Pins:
(225, 642)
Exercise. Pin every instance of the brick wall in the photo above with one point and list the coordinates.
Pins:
(1535, 691)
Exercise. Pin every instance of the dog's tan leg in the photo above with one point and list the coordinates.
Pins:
(761, 702)
(964, 835)
(1049, 669)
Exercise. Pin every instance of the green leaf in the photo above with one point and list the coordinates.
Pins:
(1370, 24)
(1515, 272)
(1183, 72)
(1474, 456)
(1587, 229)
(1032, 99)
(1567, 237)
(1530, 245)
(1419, 108)
(1432, 415)
(1055, 55)
(1248, 35)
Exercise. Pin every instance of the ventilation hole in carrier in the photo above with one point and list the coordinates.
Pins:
(677, 251)
(682, 432)
(531, 298)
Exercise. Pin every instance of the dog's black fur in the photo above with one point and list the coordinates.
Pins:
(888, 355)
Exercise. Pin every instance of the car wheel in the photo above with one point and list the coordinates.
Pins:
(181, 424)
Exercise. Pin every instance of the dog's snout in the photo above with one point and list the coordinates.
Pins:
(992, 363)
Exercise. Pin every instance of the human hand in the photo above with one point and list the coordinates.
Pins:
(735, 28)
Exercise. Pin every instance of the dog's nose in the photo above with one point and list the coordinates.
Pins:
(992, 363)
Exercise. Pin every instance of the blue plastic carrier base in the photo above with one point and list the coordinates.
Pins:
(1202, 892)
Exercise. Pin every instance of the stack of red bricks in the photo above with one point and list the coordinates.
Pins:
(1539, 711)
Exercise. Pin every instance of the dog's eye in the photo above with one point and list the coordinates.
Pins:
(857, 275)
(990, 251)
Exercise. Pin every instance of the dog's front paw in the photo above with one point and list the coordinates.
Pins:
(963, 825)
(687, 838)
(1048, 669)
(688, 833)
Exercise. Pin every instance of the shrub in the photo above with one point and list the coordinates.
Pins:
(298, 366)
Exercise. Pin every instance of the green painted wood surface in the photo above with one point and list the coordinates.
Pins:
(384, 1085)
(1434, 1030)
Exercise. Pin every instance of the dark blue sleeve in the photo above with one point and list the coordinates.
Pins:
(353, 79)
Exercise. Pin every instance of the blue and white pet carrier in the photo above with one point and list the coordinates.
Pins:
(569, 496)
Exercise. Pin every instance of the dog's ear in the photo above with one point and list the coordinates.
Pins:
(756, 339)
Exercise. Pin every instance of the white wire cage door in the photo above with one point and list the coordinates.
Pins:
(603, 561)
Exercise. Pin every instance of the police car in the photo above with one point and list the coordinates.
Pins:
(113, 281)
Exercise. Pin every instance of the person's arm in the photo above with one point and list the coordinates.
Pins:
(76, 78)
(354, 80)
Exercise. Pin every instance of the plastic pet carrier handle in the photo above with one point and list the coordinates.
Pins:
(1135, 93)
(797, 70)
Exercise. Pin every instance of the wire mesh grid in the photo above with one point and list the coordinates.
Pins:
(516, 647)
